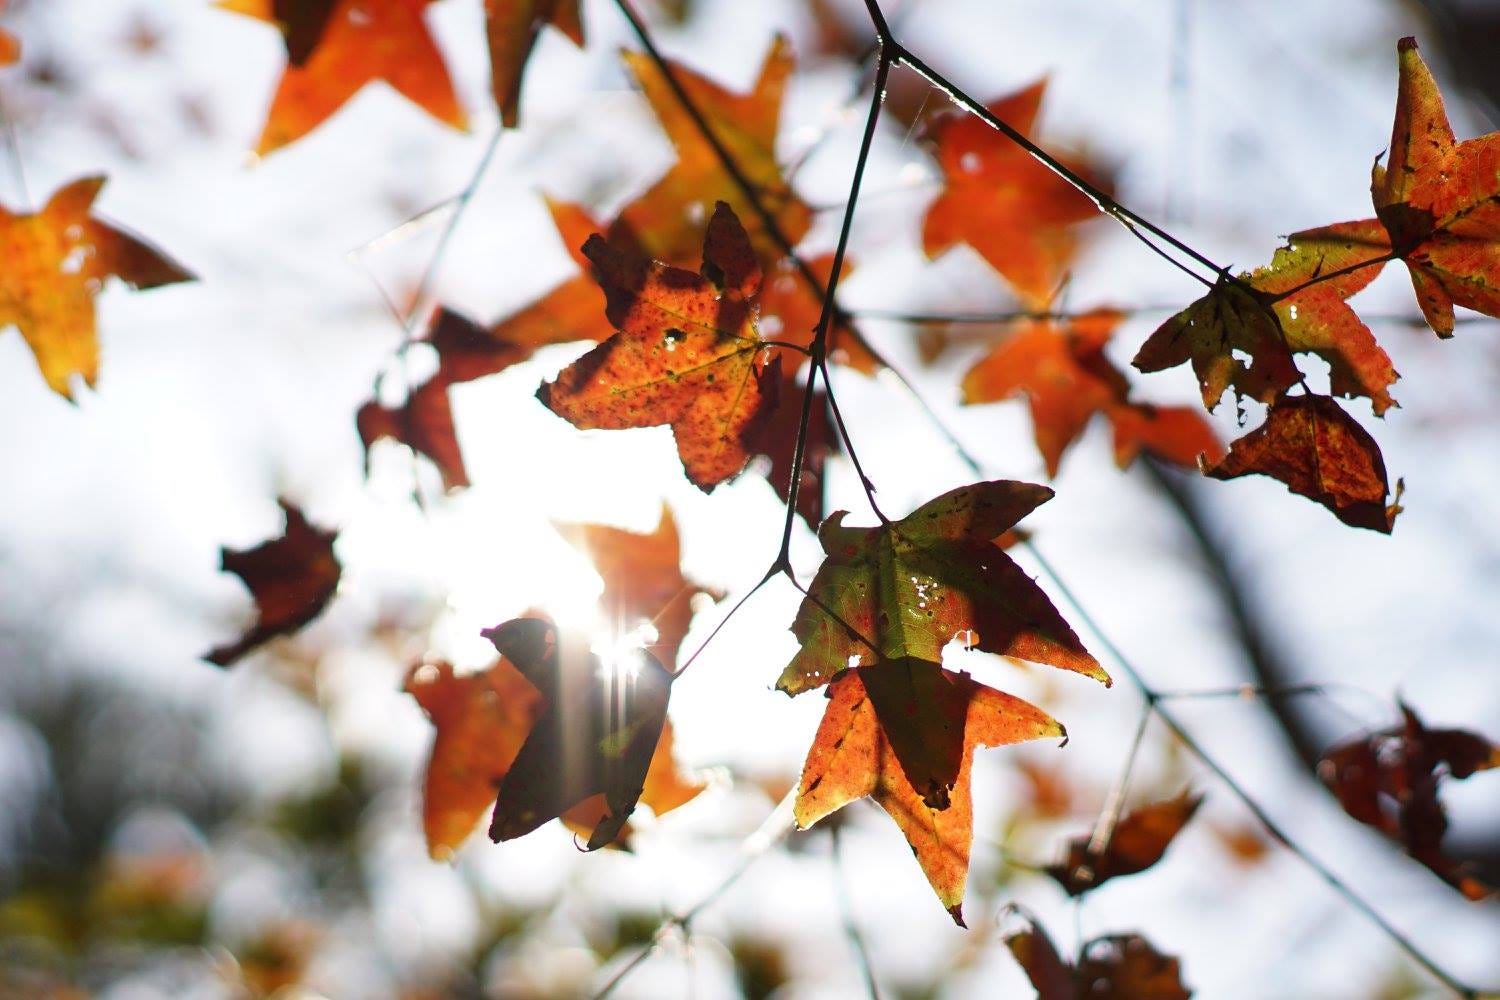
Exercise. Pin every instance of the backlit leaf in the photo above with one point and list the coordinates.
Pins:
(334, 50)
(596, 735)
(511, 27)
(1309, 443)
(908, 588)
(1110, 967)
(686, 354)
(1019, 215)
(1060, 367)
(1138, 841)
(56, 261)
(291, 578)
(904, 732)
(1389, 780)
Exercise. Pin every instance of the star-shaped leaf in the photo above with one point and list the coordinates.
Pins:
(56, 261)
(335, 49)
(1016, 213)
(904, 733)
(907, 588)
(1061, 369)
(1440, 200)
(666, 222)
(643, 581)
(291, 578)
(424, 423)
(686, 354)
(596, 735)
(1309, 443)
(511, 27)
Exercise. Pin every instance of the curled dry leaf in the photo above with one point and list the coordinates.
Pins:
(1138, 842)
(1440, 200)
(291, 578)
(643, 581)
(686, 354)
(1015, 212)
(511, 28)
(899, 727)
(335, 48)
(904, 732)
(909, 587)
(56, 261)
(424, 423)
(596, 734)
(1389, 780)
(1110, 967)
(1309, 443)
(1061, 369)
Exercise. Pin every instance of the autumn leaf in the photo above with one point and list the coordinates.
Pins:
(1440, 200)
(1389, 780)
(1310, 444)
(482, 719)
(643, 581)
(1137, 842)
(686, 354)
(905, 589)
(424, 422)
(1110, 967)
(291, 578)
(904, 732)
(596, 735)
(790, 311)
(511, 27)
(1060, 367)
(56, 261)
(574, 309)
(666, 222)
(335, 49)
(1016, 213)
(10, 46)
(778, 449)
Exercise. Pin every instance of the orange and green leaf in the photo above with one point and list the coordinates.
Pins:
(1316, 449)
(687, 353)
(907, 588)
(56, 261)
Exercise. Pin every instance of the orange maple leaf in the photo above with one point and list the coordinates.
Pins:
(56, 261)
(896, 731)
(643, 581)
(291, 578)
(1316, 449)
(511, 27)
(666, 222)
(424, 422)
(1016, 213)
(336, 47)
(1440, 200)
(1061, 368)
(686, 353)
